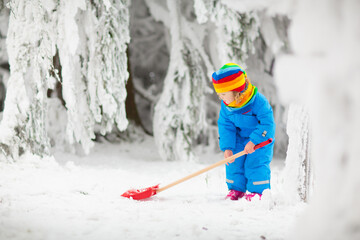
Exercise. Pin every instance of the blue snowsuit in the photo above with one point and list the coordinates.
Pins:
(237, 126)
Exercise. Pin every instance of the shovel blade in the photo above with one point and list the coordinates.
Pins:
(138, 194)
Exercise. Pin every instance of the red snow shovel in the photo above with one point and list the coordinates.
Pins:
(143, 193)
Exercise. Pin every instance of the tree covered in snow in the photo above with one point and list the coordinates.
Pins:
(30, 57)
(94, 66)
(180, 112)
(298, 172)
(90, 39)
(235, 31)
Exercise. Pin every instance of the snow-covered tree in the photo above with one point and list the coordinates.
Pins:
(30, 49)
(298, 173)
(180, 113)
(90, 39)
(235, 31)
(94, 66)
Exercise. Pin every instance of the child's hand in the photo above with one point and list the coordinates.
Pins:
(228, 153)
(249, 148)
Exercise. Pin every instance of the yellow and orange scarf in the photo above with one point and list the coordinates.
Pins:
(247, 95)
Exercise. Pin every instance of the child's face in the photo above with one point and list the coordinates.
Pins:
(227, 97)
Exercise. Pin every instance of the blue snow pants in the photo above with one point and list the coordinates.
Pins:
(252, 171)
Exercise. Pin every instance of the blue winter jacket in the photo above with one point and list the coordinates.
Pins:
(254, 122)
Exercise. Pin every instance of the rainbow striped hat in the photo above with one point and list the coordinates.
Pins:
(230, 77)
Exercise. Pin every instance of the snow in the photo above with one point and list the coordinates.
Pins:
(71, 197)
(325, 39)
(297, 174)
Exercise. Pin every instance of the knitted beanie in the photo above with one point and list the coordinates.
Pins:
(230, 77)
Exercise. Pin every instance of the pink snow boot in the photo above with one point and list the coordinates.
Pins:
(235, 195)
(249, 196)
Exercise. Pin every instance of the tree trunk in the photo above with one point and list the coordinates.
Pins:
(131, 109)
(58, 86)
(2, 95)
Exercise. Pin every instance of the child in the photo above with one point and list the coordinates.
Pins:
(245, 119)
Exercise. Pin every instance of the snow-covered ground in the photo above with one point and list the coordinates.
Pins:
(72, 197)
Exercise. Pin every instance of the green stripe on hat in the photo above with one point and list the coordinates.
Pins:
(230, 65)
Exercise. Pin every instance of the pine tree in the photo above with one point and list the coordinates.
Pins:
(180, 113)
(107, 67)
(236, 32)
(94, 67)
(30, 49)
(90, 38)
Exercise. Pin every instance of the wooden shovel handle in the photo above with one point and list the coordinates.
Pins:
(228, 159)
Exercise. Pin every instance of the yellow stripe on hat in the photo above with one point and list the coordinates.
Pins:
(227, 89)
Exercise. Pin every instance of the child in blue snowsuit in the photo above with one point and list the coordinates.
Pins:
(245, 120)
